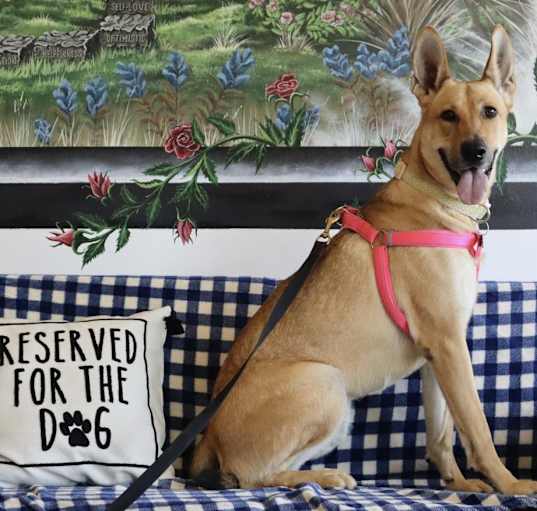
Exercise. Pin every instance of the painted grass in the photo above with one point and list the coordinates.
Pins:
(194, 34)
(22, 17)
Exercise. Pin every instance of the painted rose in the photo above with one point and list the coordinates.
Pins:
(338, 21)
(390, 150)
(283, 87)
(64, 237)
(183, 230)
(328, 16)
(287, 18)
(252, 4)
(100, 185)
(181, 143)
(369, 163)
(346, 9)
(272, 6)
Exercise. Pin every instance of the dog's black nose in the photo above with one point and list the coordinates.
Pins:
(473, 151)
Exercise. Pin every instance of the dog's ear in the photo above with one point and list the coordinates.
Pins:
(430, 65)
(500, 65)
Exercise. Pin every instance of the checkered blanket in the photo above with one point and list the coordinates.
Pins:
(385, 449)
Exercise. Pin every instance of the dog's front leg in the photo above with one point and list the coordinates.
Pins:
(450, 361)
(440, 437)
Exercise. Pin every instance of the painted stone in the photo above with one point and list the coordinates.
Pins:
(127, 31)
(75, 45)
(15, 49)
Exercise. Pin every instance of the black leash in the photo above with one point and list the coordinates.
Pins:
(200, 422)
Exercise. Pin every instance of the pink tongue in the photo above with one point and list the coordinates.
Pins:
(471, 187)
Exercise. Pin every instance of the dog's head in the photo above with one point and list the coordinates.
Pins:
(464, 124)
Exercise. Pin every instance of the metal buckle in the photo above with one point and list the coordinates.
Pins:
(332, 219)
(384, 238)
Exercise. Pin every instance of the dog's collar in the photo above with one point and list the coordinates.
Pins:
(479, 213)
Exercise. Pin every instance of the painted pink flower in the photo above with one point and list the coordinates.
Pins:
(183, 230)
(283, 87)
(287, 18)
(338, 21)
(272, 6)
(328, 16)
(346, 8)
(390, 150)
(100, 185)
(64, 237)
(369, 163)
(181, 143)
(252, 4)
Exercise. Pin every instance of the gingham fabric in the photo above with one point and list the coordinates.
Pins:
(386, 445)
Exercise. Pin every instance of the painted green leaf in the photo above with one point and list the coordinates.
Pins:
(79, 239)
(124, 236)
(511, 123)
(162, 169)
(93, 250)
(153, 210)
(127, 195)
(501, 171)
(224, 126)
(260, 156)
(209, 170)
(272, 131)
(197, 133)
(91, 221)
(295, 131)
(148, 185)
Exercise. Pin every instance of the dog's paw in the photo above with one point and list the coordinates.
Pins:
(521, 487)
(333, 478)
(470, 485)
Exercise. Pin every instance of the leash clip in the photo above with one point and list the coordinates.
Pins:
(332, 219)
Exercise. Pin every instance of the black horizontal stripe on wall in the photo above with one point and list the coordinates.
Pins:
(244, 205)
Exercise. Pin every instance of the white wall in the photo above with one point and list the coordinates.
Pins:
(510, 255)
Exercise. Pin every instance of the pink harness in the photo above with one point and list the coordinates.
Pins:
(381, 240)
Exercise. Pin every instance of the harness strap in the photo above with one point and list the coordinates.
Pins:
(380, 241)
(383, 276)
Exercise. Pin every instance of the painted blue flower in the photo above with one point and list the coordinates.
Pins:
(368, 63)
(96, 95)
(132, 78)
(284, 114)
(42, 130)
(66, 97)
(337, 63)
(312, 117)
(234, 72)
(394, 59)
(398, 50)
(176, 71)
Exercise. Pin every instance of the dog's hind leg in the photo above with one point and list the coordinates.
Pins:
(282, 415)
(440, 437)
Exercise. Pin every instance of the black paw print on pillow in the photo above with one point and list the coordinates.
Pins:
(76, 428)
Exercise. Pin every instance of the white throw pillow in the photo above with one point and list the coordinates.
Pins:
(81, 402)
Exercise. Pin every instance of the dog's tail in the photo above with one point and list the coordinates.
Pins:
(205, 469)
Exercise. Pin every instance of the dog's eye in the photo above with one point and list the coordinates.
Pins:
(490, 112)
(449, 116)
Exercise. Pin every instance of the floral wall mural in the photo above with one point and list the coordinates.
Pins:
(193, 77)
(121, 73)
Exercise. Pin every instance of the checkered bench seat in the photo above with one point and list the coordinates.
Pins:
(385, 449)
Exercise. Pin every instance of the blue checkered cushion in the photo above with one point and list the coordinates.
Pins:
(387, 442)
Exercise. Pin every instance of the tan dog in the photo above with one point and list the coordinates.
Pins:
(336, 342)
